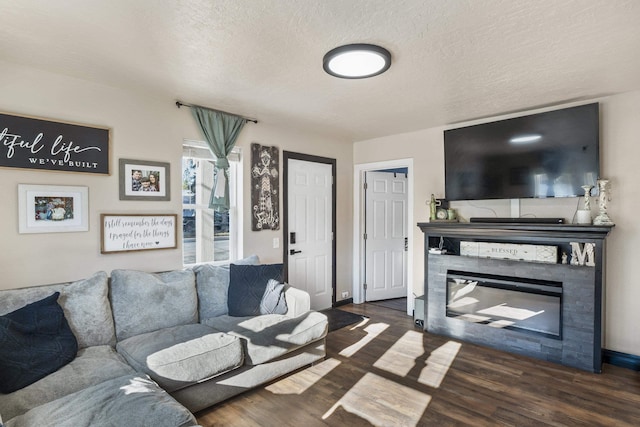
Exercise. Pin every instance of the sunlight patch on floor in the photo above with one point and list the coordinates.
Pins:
(361, 324)
(301, 381)
(372, 331)
(402, 355)
(383, 402)
(438, 364)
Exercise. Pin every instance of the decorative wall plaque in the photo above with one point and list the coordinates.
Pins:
(518, 252)
(137, 232)
(264, 188)
(32, 143)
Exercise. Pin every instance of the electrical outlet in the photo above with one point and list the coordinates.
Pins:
(345, 294)
(276, 242)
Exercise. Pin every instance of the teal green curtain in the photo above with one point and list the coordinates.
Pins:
(220, 131)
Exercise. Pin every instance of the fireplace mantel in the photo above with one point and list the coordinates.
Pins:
(582, 288)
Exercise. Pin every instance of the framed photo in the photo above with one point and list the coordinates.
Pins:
(52, 208)
(137, 232)
(144, 180)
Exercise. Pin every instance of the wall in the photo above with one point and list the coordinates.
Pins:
(143, 126)
(261, 242)
(619, 153)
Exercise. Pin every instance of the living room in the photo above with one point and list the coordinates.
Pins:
(100, 82)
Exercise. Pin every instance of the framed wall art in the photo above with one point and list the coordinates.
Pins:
(265, 188)
(41, 144)
(137, 232)
(52, 208)
(144, 180)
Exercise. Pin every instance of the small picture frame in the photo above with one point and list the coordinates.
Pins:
(137, 232)
(52, 208)
(144, 180)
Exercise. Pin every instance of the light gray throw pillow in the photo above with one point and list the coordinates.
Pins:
(273, 300)
(85, 304)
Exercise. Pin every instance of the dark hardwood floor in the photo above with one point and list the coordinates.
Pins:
(386, 372)
(394, 304)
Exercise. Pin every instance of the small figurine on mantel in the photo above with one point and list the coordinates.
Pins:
(432, 208)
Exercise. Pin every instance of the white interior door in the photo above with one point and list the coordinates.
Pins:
(386, 233)
(310, 255)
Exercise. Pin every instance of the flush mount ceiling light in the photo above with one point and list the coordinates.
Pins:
(357, 61)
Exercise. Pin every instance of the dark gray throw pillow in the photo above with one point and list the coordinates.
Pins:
(247, 287)
(35, 341)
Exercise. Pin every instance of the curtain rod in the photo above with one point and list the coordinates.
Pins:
(182, 104)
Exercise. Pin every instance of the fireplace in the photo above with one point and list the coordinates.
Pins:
(525, 305)
(550, 311)
(559, 324)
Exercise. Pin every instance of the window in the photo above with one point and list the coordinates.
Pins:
(208, 236)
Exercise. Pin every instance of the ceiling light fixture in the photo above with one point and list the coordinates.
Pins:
(357, 61)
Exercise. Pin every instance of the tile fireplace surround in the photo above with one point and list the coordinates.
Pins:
(580, 341)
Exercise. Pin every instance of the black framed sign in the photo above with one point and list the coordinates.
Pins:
(264, 187)
(33, 143)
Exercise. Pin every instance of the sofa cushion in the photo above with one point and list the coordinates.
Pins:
(92, 365)
(131, 400)
(273, 300)
(247, 285)
(250, 260)
(212, 284)
(35, 341)
(270, 336)
(85, 304)
(182, 355)
(145, 302)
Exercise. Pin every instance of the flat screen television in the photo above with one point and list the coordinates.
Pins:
(550, 154)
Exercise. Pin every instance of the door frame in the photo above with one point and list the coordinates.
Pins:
(359, 221)
(286, 155)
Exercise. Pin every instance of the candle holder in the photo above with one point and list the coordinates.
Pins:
(583, 216)
(603, 200)
(587, 197)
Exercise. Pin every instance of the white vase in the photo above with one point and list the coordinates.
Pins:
(603, 200)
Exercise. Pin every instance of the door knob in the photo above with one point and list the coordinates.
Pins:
(293, 252)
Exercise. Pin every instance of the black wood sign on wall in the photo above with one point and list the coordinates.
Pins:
(264, 188)
(33, 143)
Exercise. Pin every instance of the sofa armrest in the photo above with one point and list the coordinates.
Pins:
(298, 301)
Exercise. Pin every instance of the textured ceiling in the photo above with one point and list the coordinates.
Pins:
(453, 60)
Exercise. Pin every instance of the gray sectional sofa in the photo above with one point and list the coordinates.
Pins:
(155, 348)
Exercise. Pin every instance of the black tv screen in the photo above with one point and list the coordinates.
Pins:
(551, 154)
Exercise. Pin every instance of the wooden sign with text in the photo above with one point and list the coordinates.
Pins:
(138, 232)
(32, 143)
